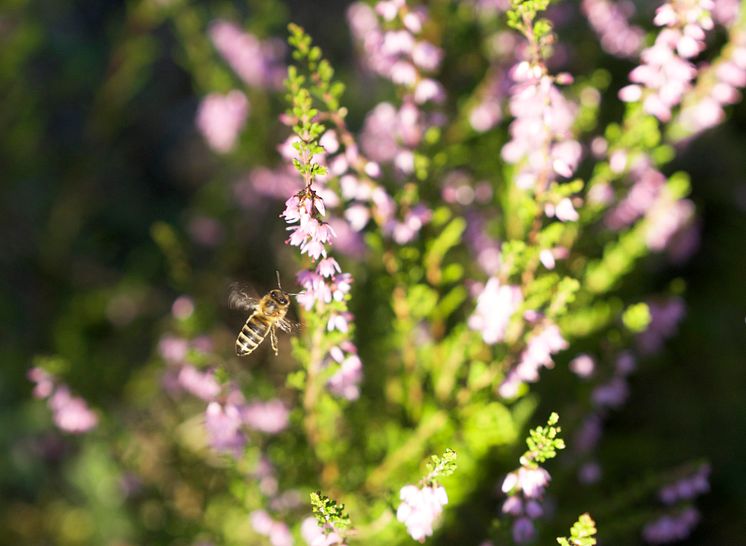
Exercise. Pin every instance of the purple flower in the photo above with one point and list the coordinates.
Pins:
(257, 63)
(315, 535)
(277, 532)
(201, 384)
(270, 417)
(223, 424)
(495, 305)
(346, 381)
(671, 528)
(220, 119)
(523, 530)
(666, 74)
(71, 413)
(610, 20)
(420, 509)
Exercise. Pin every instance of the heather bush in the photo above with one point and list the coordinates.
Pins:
(482, 213)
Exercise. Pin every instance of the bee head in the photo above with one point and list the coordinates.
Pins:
(279, 297)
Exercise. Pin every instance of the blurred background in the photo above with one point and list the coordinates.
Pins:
(112, 206)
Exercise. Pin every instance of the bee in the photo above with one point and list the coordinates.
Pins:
(267, 314)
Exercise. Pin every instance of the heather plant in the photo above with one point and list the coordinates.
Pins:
(469, 207)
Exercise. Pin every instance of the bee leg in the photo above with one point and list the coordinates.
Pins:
(273, 339)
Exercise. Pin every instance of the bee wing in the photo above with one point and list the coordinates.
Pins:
(239, 298)
(288, 326)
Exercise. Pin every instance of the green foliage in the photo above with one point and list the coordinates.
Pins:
(523, 17)
(543, 441)
(636, 317)
(583, 533)
(441, 466)
(328, 512)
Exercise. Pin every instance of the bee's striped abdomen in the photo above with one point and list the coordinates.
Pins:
(252, 334)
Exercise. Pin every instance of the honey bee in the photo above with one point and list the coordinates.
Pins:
(267, 314)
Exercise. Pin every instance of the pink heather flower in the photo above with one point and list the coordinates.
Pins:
(523, 530)
(315, 536)
(666, 74)
(564, 211)
(495, 305)
(270, 417)
(513, 506)
(671, 528)
(687, 488)
(647, 185)
(277, 532)
(71, 413)
(665, 316)
(173, 349)
(201, 384)
(258, 64)
(346, 381)
(220, 119)
(420, 509)
(665, 218)
(539, 352)
(530, 481)
(582, 365)
(43, 382)
(610, 20)
(611, 394)
(541, 133)
(205, 231)
(182, 308)
(223, 424)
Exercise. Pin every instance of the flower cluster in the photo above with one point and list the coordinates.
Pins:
(541, 140)
(666, 73)
(610, 20)
(257, 63)
(688, 487)
(540, 347)
(495, 305)
(420, 508)
(314, 535)
(718, 86)
(70, 413)
(525, 486)
(277, 532)
(220, 119)
(671, 527)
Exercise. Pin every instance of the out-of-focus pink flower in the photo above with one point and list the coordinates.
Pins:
(315, 536)
(201, 384)
(420, 509)
(495, 305)
(610, 20)
(173, 349)
(523, 530)
(258, 63)
(43, 382)
(665, 316)
(71, 413)
(346, 381)
(223, 424)
(582, 365)
(270, 417)
(611, 394)
(666, 74)
(220, 119)
(688, 487)
(182, 308)
(277, 532)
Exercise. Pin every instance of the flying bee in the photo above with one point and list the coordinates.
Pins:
(267, 314)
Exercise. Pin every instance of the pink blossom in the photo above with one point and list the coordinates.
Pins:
(223, 424)
(523, 530)
(672, 527)
(315, 536)
(583, 365)
(420, 509)
(71, 413)
(346, 381)
(257, 63)
(277, 532)
(173, 349)
(541, 134)
(43, 382)
(610, 20)
(665, 316)
(495, 305)
(201, 384)
(269, 417)
(538, 353)
(220, 119)
(666, 74)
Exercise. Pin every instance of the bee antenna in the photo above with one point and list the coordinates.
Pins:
(278, 280)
